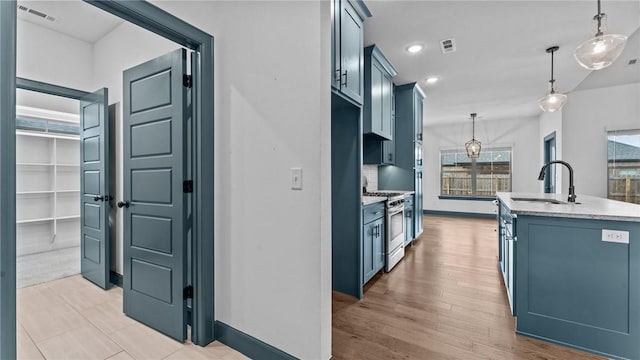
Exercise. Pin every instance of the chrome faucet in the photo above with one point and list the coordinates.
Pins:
(572, 189)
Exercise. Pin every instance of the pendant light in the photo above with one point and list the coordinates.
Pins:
(473, 146)
(553, 101)
(602, 50)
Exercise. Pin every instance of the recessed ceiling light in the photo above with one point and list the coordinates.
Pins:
(432, 79)
(415, 48)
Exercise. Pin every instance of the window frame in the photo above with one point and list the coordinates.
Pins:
(616, 132)
(474, 174)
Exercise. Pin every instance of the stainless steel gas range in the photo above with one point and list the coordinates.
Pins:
(394, 239)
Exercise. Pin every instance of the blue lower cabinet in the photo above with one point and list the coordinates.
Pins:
(575, 289)
(373, 234)
(408, 220)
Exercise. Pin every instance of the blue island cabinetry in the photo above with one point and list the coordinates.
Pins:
(575, 271)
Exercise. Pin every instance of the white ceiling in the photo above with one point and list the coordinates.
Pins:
(500, 68)
(74, 18)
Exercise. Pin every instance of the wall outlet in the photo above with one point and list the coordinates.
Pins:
(296, 178)
(616, 236)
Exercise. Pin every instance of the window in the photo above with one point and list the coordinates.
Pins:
(623, 148)
(481, 177)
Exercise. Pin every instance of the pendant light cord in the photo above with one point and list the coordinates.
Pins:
(473, 122)
(551, 50)
(599, 17)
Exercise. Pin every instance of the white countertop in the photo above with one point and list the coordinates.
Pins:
(366, 200)
(586, 207)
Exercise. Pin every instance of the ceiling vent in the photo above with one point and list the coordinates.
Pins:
(35, 12)
(448, 45)
(632, 62)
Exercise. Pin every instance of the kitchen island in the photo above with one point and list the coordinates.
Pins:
(572, 270)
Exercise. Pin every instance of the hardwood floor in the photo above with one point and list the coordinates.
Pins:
(445, 300)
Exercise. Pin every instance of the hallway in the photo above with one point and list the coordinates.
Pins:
(445, 300)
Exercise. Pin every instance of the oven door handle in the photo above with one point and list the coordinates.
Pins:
(395, 211)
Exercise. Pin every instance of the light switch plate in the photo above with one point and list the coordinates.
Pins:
(296, 178)
(616, 236)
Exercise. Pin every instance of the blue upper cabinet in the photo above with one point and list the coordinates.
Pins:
(347, 52)
(409, 102)
(378, 94)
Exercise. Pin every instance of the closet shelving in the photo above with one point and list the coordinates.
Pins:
(47, 181)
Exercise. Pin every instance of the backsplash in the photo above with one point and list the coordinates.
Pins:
(371, 173)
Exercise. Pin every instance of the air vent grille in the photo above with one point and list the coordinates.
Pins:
(448, 45)
(35, 12)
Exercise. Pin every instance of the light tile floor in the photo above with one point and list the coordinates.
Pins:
(47, 266)
(71, 318)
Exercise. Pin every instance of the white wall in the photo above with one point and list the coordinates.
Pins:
(550, 122)
(54, 58)
(520, 134)
(587, 117)
(272, 113)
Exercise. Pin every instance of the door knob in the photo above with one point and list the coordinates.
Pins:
(122, 204)
(98, 198)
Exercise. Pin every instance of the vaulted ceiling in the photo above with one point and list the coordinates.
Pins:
(500, 68)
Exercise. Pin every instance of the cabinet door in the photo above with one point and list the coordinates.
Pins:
(389, 146)
(408, 225)
(376, 99)
(417, 106)
(417, 204)
(378, 246)
(351, 52)
(387, 93)
(369, 233)
(335, 44)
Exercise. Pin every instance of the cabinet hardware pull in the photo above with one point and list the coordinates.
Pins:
(122, 204)
(390, 157)
(346, 79)
(337, 76)
(98, 198)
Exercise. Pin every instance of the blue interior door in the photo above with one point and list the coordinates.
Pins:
(154, 107)
(95, 249)
(550, 155)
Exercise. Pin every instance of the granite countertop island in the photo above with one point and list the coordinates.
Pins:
(572, 270)
(585, 207)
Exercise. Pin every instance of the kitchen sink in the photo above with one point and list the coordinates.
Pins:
(542, 200)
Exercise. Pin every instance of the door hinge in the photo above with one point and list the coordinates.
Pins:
(187, 81)
(187, 292)
(187, 186)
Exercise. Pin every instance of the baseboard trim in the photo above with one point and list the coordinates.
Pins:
(247, 344)
(459, 213)
(115, 278)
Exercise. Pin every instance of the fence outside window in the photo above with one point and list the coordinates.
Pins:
(623, 154)
(481, 177)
